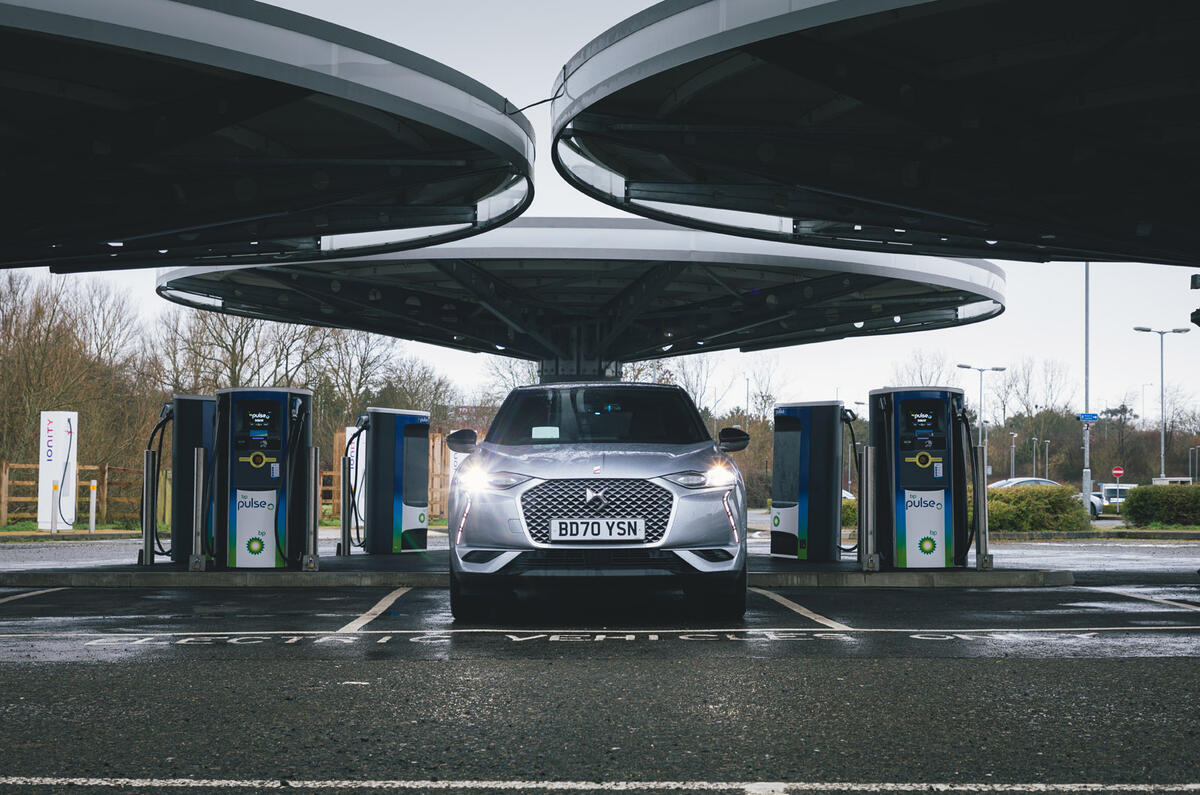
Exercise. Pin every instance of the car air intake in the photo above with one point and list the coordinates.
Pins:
(481, 555)
(714, 555)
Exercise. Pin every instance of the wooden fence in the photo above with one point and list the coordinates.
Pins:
(118, 492)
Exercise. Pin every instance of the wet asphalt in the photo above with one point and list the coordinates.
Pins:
(352, 689)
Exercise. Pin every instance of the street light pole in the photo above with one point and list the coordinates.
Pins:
(1046, 462)
(1162, 392)
(979, 408)
(1012, 456)
(1035, 456)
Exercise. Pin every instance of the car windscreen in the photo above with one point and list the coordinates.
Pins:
(597, 414)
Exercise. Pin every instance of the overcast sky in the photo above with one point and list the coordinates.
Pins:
(517, 48)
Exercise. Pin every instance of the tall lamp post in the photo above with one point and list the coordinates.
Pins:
(982, 370)
(1046, 460)
(1035, 456)
(1012, 456)
(1162, 393)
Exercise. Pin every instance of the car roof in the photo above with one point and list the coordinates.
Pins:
(577, 384)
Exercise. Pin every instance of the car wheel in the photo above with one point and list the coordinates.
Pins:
(724, 602)
(464, 607)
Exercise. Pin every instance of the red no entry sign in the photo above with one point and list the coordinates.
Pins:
(1118, 471)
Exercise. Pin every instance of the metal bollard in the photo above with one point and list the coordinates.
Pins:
(54, 508)
(869, 542)
(347, 502)
(149, 506)
(311, 562)
(92, 507)
(983, 558)
(197, 561)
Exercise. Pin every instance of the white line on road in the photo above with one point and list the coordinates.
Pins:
(749, 787)
(608, 631)
(801, 609)
(367, 617)
(28, 594)
(1143, 597)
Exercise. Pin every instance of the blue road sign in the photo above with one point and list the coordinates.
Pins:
(1089, 417)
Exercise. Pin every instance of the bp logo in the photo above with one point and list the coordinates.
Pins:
(775, 521)
(927, 545)
(421, 518)
(255, 546)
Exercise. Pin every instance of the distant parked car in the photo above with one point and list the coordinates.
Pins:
(1093, 501)
(847, 495)
(1115, 493)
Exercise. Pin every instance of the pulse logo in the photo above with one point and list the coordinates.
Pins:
(923, 502)
(255, 503)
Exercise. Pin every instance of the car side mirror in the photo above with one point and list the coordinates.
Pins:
(733, 439)
(463, 441)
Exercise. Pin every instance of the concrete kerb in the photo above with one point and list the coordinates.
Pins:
(1022, 578)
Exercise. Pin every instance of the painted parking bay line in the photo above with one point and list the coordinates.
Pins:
(366, 618)
(27, 594)
(801, 609)
(748, 787)
(1143, 597)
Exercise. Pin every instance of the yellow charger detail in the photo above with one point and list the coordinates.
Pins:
(257, 459)
(922, 460)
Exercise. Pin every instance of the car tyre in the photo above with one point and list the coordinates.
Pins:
(464, 607)
(724, 602)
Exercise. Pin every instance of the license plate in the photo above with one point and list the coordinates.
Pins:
(597, 529)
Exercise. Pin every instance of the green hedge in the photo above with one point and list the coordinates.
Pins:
(849, 513)
(1055, 509)
(1162, 504)
(1024, 509)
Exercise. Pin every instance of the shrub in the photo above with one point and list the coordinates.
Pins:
(849, 513)
(1053, 509)
(758, 488)
(1168, 505)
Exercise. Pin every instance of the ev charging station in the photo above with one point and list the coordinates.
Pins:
(261, 483)
(193, 424)
(806, 488)
(397, 481)
(920, 441)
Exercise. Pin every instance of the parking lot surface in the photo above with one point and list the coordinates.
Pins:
(1086, 688)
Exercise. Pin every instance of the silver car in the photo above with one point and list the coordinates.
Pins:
(605, 480)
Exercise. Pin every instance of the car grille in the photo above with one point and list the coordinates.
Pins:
(628, 498)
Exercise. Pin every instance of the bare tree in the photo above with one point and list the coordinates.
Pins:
(1031, 389)
(763, 376)
(356, 364)
(290, 355)
(505, 373)
(653, 371)
(231, 343)
(697, 374)
(923, 368)
(413, 383)
(108, 329)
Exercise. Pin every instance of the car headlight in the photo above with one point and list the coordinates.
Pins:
(714, 476)
(476, 479)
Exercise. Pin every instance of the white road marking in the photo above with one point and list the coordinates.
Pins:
(1143, 597)
(369, 616)
(801, 609)
(749, 787)
(523, 631)
(28, 594)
